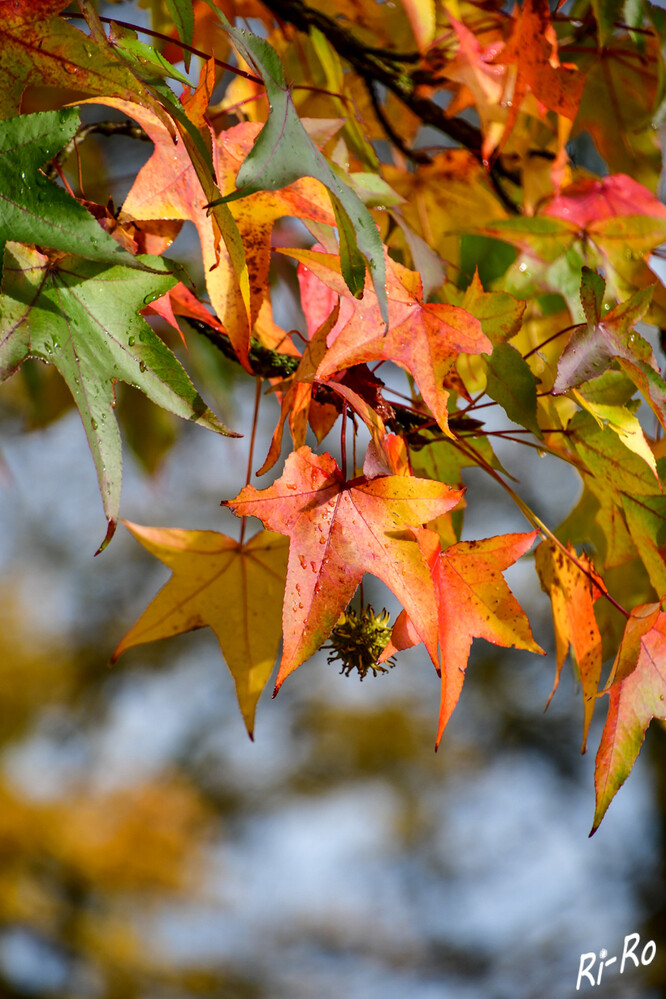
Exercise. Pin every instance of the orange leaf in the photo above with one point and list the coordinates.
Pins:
(39, 48)
(424, 339)
(474, 601)
(572, 594)
(218, 583)
(168, 187)
(637, 692)
(532, 49)
(338, 531)
(297, 399)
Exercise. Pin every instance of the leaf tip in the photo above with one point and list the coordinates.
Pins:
(110, 531)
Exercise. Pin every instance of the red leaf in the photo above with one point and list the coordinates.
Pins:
(474, 601)
(424, 339)
(637, 692)
(592, 200)
(339, 531)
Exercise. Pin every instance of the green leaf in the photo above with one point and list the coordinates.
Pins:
(500, 314)
(608, 459)
(606, 12)
(625, 424)
(594, 346)
(34, 209)
(513, 386)
(646, 521)
(143, 57)
(592, 288)
(183, 17)
(82, 317)
(284, 153)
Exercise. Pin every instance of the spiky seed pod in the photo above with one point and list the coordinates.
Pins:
(358, 640)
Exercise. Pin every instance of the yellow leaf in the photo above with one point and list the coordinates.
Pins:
(237, 590)
(622, 422)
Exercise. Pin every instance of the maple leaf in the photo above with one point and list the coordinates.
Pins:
(500, 314)
(39, 48)
(423, 338)
(572, 594)
(234, 589)
(610, 336)
(338, 531)
(35, 210)
(636, 691)
(168, 187)
(532, 49)
(474, 601)
(284, 152)
(475, 68)
(82, 317)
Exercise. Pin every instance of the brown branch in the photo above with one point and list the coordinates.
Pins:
(381, 66)
(127, 127)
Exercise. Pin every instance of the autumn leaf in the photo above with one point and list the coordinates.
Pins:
(284, 152)
(618, 468)
(82, 317)
(511, 383)
(423, 338)
(474, 67)
(297, 398)
(234, 589)
(532, 55)
(39, 48)
(573, 593)
(636, 690)
(168, 187)
(473, 601)
(34, 209)
(608, 336)
(338, 531)
(500, 314)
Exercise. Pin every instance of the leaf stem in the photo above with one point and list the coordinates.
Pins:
(539, 524)
(250, 457)
(174, 41)
(343, 441)
(539, 346)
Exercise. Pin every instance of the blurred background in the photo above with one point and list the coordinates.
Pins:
(148, 849)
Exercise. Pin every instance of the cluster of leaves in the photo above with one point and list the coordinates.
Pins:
(494, 272)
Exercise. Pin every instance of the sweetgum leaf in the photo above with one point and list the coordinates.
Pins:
(512, 384)
(572, 595)
(637, 693)
(284, 152)
(338, 531)
(34, 209)
(39, 48)
(82, 316)
(424, 338)
(183, 17)
(474, 601)
(595, 345)
(236, 590)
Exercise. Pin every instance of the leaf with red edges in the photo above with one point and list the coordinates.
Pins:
(338, 531)
(474, 601)
(637, 693)
(423, 338)
(168, 187)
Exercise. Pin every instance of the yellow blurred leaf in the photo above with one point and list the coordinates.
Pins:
(237, 590)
